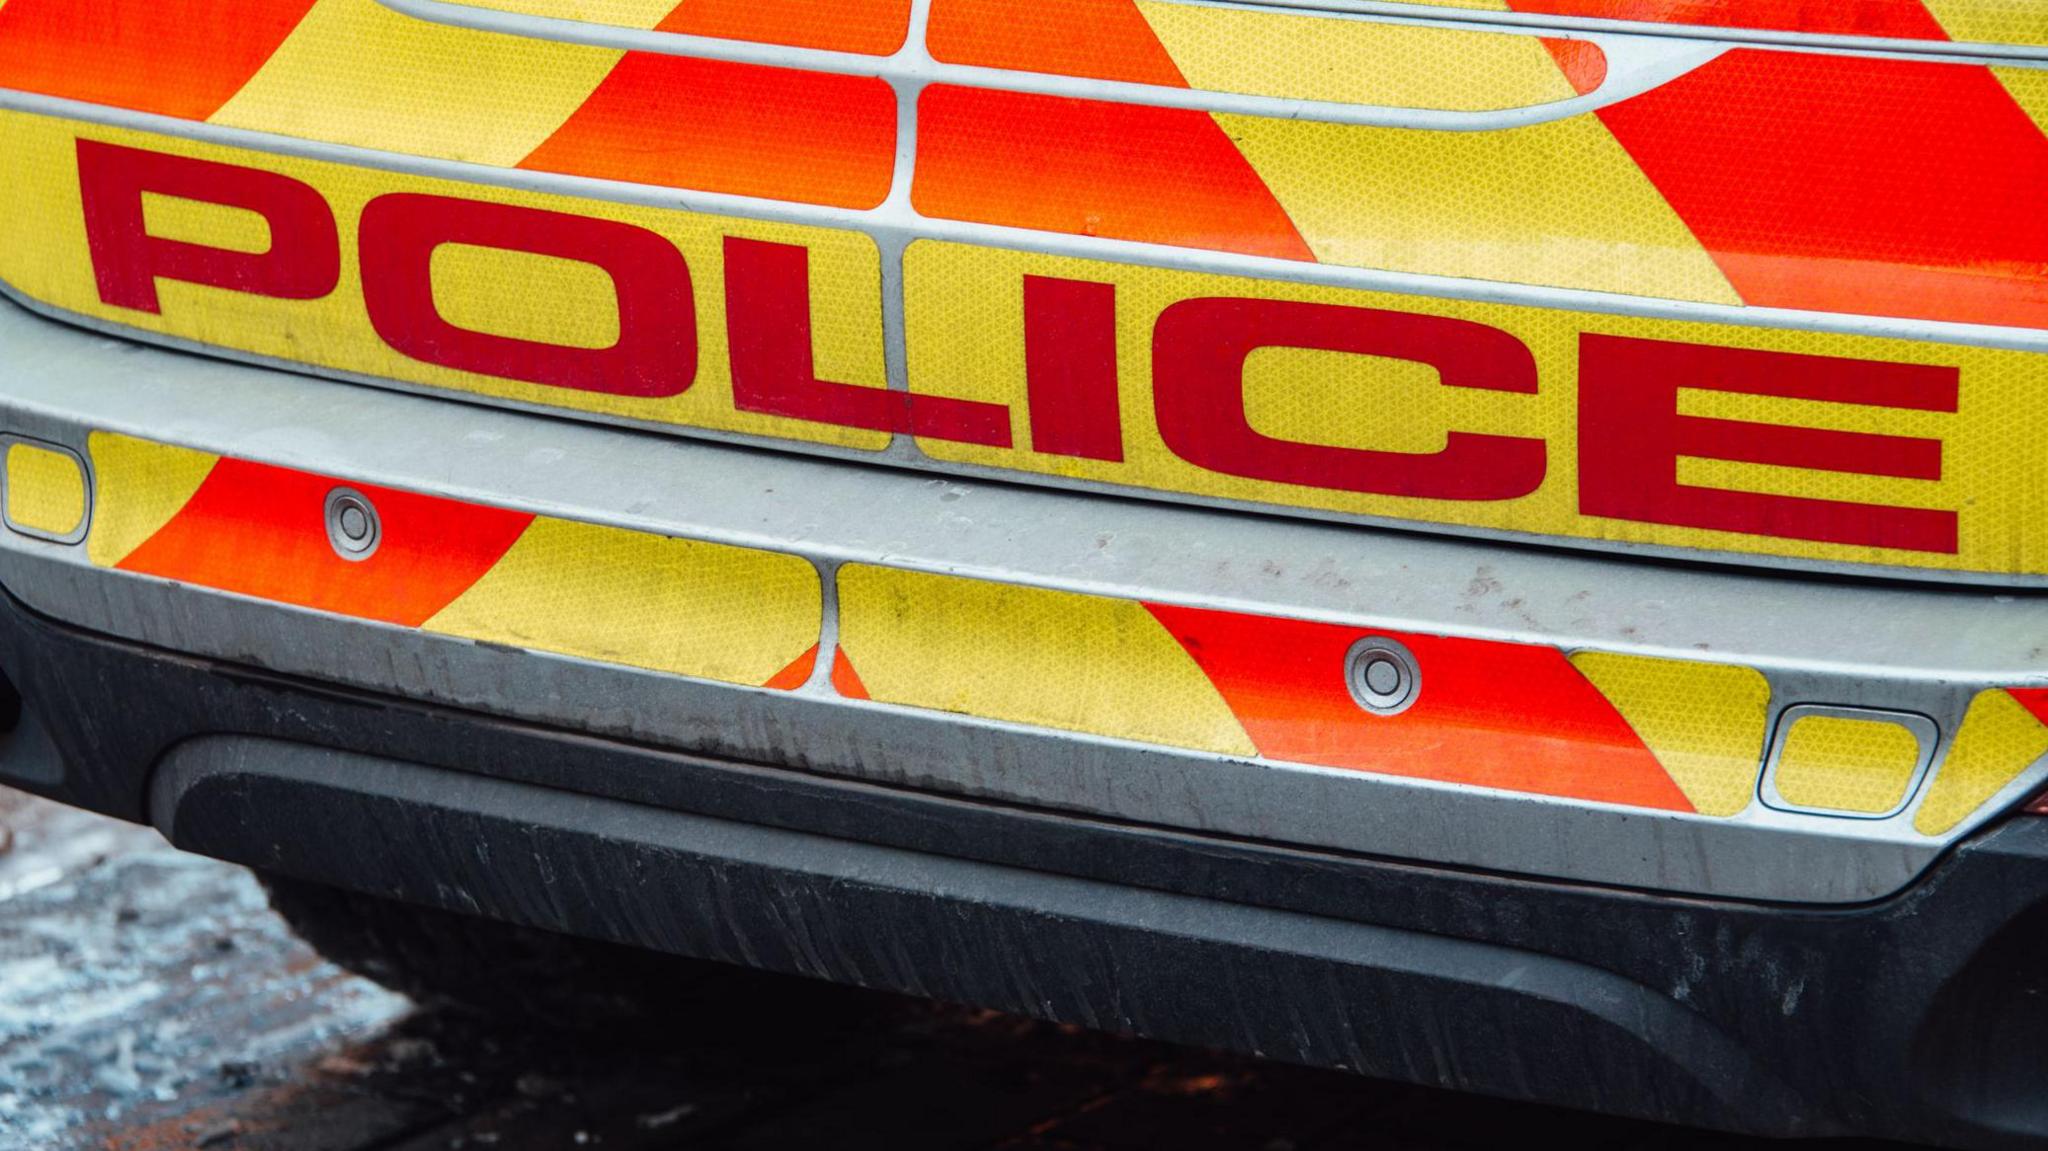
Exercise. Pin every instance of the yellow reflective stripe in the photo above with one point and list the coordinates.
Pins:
(1997, 741)
(1704, 722)
(1029, 655)
(692, 608)
(138, 487)
(1354, 61)
(618, 13)
(45, 490)
(1991, 21)
(356, 72)
(1558, 204)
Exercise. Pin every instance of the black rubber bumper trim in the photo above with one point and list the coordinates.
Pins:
(1919, 1017)
(1381, 1000)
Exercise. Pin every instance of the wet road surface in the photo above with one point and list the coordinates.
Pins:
(149, 1000)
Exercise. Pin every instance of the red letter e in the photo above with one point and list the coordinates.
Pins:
(1631, 436)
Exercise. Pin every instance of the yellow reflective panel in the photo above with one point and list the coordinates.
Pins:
(692, 608)
(139, 486)
(1354, 61)
(1992, 21)
(525, 296)
(1558, 204)
(1703, 721)
(618, 13)
(1028, 655)
(1999, 739)
(1836, 763)
(45, 490)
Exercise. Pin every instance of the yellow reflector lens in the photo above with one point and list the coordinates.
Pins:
(45, 491)
(1835, 763)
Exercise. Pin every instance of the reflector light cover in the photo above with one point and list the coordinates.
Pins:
(1847, 760)
(45, 490)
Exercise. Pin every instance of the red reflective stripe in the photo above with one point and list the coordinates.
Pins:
(2034, 699)
(261, 531)
(1514, 716)
(1845, 184)
(743, 129)
(1091, 168)
(1083, 167)
(797, 674)
(870, 27)
(1893, 18)
(845, 680)
(180, 58)
(1102, 39)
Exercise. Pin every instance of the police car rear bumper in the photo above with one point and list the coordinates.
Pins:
(1918, 1016)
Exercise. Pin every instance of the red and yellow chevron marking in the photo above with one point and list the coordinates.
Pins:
(2004, 732)
(867, 27)
(1816, 446)
(1599, 727)
(686, 607)
(2019, 22)
(1664, 734)
(355, 72)
(1805, 181)
(1793, 180)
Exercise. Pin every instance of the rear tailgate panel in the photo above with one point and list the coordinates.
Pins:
(1641, 292)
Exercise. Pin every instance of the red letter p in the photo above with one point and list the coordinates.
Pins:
(303, 262)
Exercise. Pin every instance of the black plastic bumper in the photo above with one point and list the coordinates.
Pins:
(1920, 1017)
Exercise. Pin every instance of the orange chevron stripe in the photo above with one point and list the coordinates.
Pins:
(1513, 716)
(797, 674)
(1159, 175)
(870, 27)
(1845, 184)
(2034, 699)
(1101, 39)
(180, 58)
(1083, 167)
(1832, 183)
(743, 129)
(260, 530)
(845, 680)
(1891, 18)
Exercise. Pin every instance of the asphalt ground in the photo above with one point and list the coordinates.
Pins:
(150, 1000)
